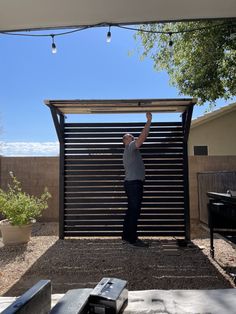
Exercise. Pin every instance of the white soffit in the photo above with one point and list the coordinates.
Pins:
(44, 14)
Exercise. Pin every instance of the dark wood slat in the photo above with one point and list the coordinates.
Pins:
(120, 183)
(119, 157)
(119, 228)
(118, 189)
(107, 133)
(120, 124)
(105, 211)
(157, 151)
(93, 228)
(113, 137)
(119, 222)
(93, 173)
(101, 145)
(120, 172)
(99, 139)
(96, 162)
(119, 194)
(121, 200)
(161, 227)
(161, 233)
(150, 217)
(118, 128)
(120, 167)
(163, 165)
(123, 205)
(150, 166)
(113, 178)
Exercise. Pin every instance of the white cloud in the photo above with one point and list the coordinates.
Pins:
(29, 149)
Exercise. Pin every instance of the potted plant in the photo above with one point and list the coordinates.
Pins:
(20, 211)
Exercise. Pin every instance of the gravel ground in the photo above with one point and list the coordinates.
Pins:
(81, 263)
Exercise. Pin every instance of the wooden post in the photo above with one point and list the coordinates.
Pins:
(186, 121)
(59, 126)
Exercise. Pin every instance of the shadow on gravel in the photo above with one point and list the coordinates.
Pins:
(81, 263)
(13, 253)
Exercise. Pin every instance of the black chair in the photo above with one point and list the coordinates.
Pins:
(36, 300)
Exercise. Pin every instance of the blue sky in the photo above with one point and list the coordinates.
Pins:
(85, 67)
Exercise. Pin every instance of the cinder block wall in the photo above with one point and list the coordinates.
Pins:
(34, 173)
(37, 172)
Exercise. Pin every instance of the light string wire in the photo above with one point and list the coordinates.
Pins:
(229, 23)
(47, 35)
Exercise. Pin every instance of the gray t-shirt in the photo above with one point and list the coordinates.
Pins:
(133, 163)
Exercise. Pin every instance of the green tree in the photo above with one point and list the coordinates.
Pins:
(203, 62)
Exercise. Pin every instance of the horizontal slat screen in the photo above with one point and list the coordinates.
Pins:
(94, 198)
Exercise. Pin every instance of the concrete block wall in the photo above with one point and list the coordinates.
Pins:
(37, 172)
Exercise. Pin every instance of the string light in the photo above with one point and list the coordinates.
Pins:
(171, 48)
(231, 24)
(54, 47)
(109, 35)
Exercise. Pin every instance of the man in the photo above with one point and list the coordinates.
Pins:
(134, 179)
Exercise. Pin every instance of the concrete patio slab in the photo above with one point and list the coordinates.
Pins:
(217, 301)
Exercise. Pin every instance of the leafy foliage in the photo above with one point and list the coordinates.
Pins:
(203, 64)
(18, 207)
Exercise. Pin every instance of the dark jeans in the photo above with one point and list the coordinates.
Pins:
(134, 192)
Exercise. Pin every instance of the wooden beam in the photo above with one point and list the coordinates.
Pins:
(57, 125)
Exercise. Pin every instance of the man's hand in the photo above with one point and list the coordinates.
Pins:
(142, 137)
(149, 116)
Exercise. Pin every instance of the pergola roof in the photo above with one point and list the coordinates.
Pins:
(18, 15)
(120, 105)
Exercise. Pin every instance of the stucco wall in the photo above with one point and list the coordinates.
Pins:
(218, 134)
(37, 172)
(34, 173)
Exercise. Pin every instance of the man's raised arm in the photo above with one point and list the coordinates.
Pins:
(144, 134)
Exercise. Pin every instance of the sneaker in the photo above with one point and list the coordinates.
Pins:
(140, 243)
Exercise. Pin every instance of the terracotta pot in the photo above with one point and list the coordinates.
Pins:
(12, 235)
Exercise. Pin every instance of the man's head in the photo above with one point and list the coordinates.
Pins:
(127, 138)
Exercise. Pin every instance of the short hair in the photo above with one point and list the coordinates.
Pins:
(127, 134)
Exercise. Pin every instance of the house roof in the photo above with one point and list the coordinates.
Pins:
(80, 106)
(18, 15)
(213, 115)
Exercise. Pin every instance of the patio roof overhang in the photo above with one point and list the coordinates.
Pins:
(120, 105)
(18, 15)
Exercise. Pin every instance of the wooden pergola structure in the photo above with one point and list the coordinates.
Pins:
(92, 201)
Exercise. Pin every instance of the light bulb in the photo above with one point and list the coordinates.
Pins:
(54, 47)
(171, 48)
(109, 35)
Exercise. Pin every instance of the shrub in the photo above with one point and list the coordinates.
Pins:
(20, 208)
